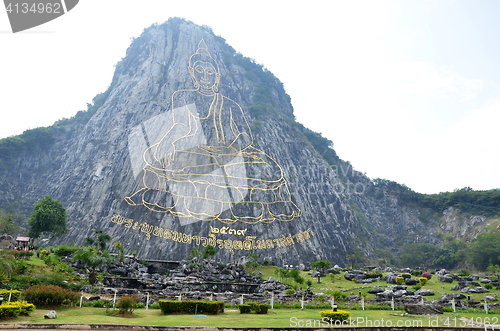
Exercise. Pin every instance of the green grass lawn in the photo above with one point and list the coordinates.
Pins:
(232, 317)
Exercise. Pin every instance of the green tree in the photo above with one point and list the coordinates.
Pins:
(321, 265)
(194, 253)
(93, 259)
(451, 254)
(484, 250)
(49, 218)
(295, 275)
(119, 246)
(7, 224)
(417, 255)
(209, 252)
(251, 266)
(281, 273)
(101, 241)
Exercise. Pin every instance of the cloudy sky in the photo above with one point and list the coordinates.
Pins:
(407, 90)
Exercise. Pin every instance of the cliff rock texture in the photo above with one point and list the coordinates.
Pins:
(195, 144)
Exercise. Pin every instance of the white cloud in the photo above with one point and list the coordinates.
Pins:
(420, 77)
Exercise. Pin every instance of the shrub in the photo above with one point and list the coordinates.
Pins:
(20, 266)
(463, 273)
(207, 307)
(245, 309)
(337, 295)
(16, 295)
(400, 280)
(26, 255)
(43, 254)
(127, 303)
(289, 292)
(155, 306)
(265, 262)
(65, 250)
(140, 305)
(98, 303)
(49, 295)
(375, 274)
(494, 279)
(488, 286)
(308, 283)
(259, 308)
(416, 273)
(52, 260)
(423, 281)
(13, 309)
(340, 315)
(417, 287)
(427, 275)
(405, 276)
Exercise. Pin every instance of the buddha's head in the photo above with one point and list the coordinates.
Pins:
(204, 70)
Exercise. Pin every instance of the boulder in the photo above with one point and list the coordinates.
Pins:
(444, 279)
(424, 309)
(485, 281)
(413, 298)
(450, 296)
(478, 289)
(333, 271)
(390, 278)
(411, 281)
(397, 288)
(456, 288)
(348, 275)
(425, 292)
(489, 298)
(384, 296)
(51, 314)
(442, 272)
(375, 290)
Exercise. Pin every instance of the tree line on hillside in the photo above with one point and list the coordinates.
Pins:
(481, 253)
(466, 200)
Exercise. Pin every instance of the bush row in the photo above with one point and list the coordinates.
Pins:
(205, 307)
(258, 308)
(50, 295)
(13, 309)
(22, 254)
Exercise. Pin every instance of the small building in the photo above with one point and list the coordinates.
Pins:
(23, 243)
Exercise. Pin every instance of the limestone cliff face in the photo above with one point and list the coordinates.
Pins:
(263, 189)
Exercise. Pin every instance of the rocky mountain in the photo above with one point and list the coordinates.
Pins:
(194, 144)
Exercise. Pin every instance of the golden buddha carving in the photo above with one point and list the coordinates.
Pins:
(205, 166)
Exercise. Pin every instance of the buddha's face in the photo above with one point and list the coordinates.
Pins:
(205, 74)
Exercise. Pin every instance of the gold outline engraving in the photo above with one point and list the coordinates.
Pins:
(206, 164)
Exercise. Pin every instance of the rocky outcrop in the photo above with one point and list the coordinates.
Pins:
(424, 309)
(282, 199)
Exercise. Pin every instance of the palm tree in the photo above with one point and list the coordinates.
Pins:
(6, 267)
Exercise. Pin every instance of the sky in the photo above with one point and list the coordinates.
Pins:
(406, 90)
